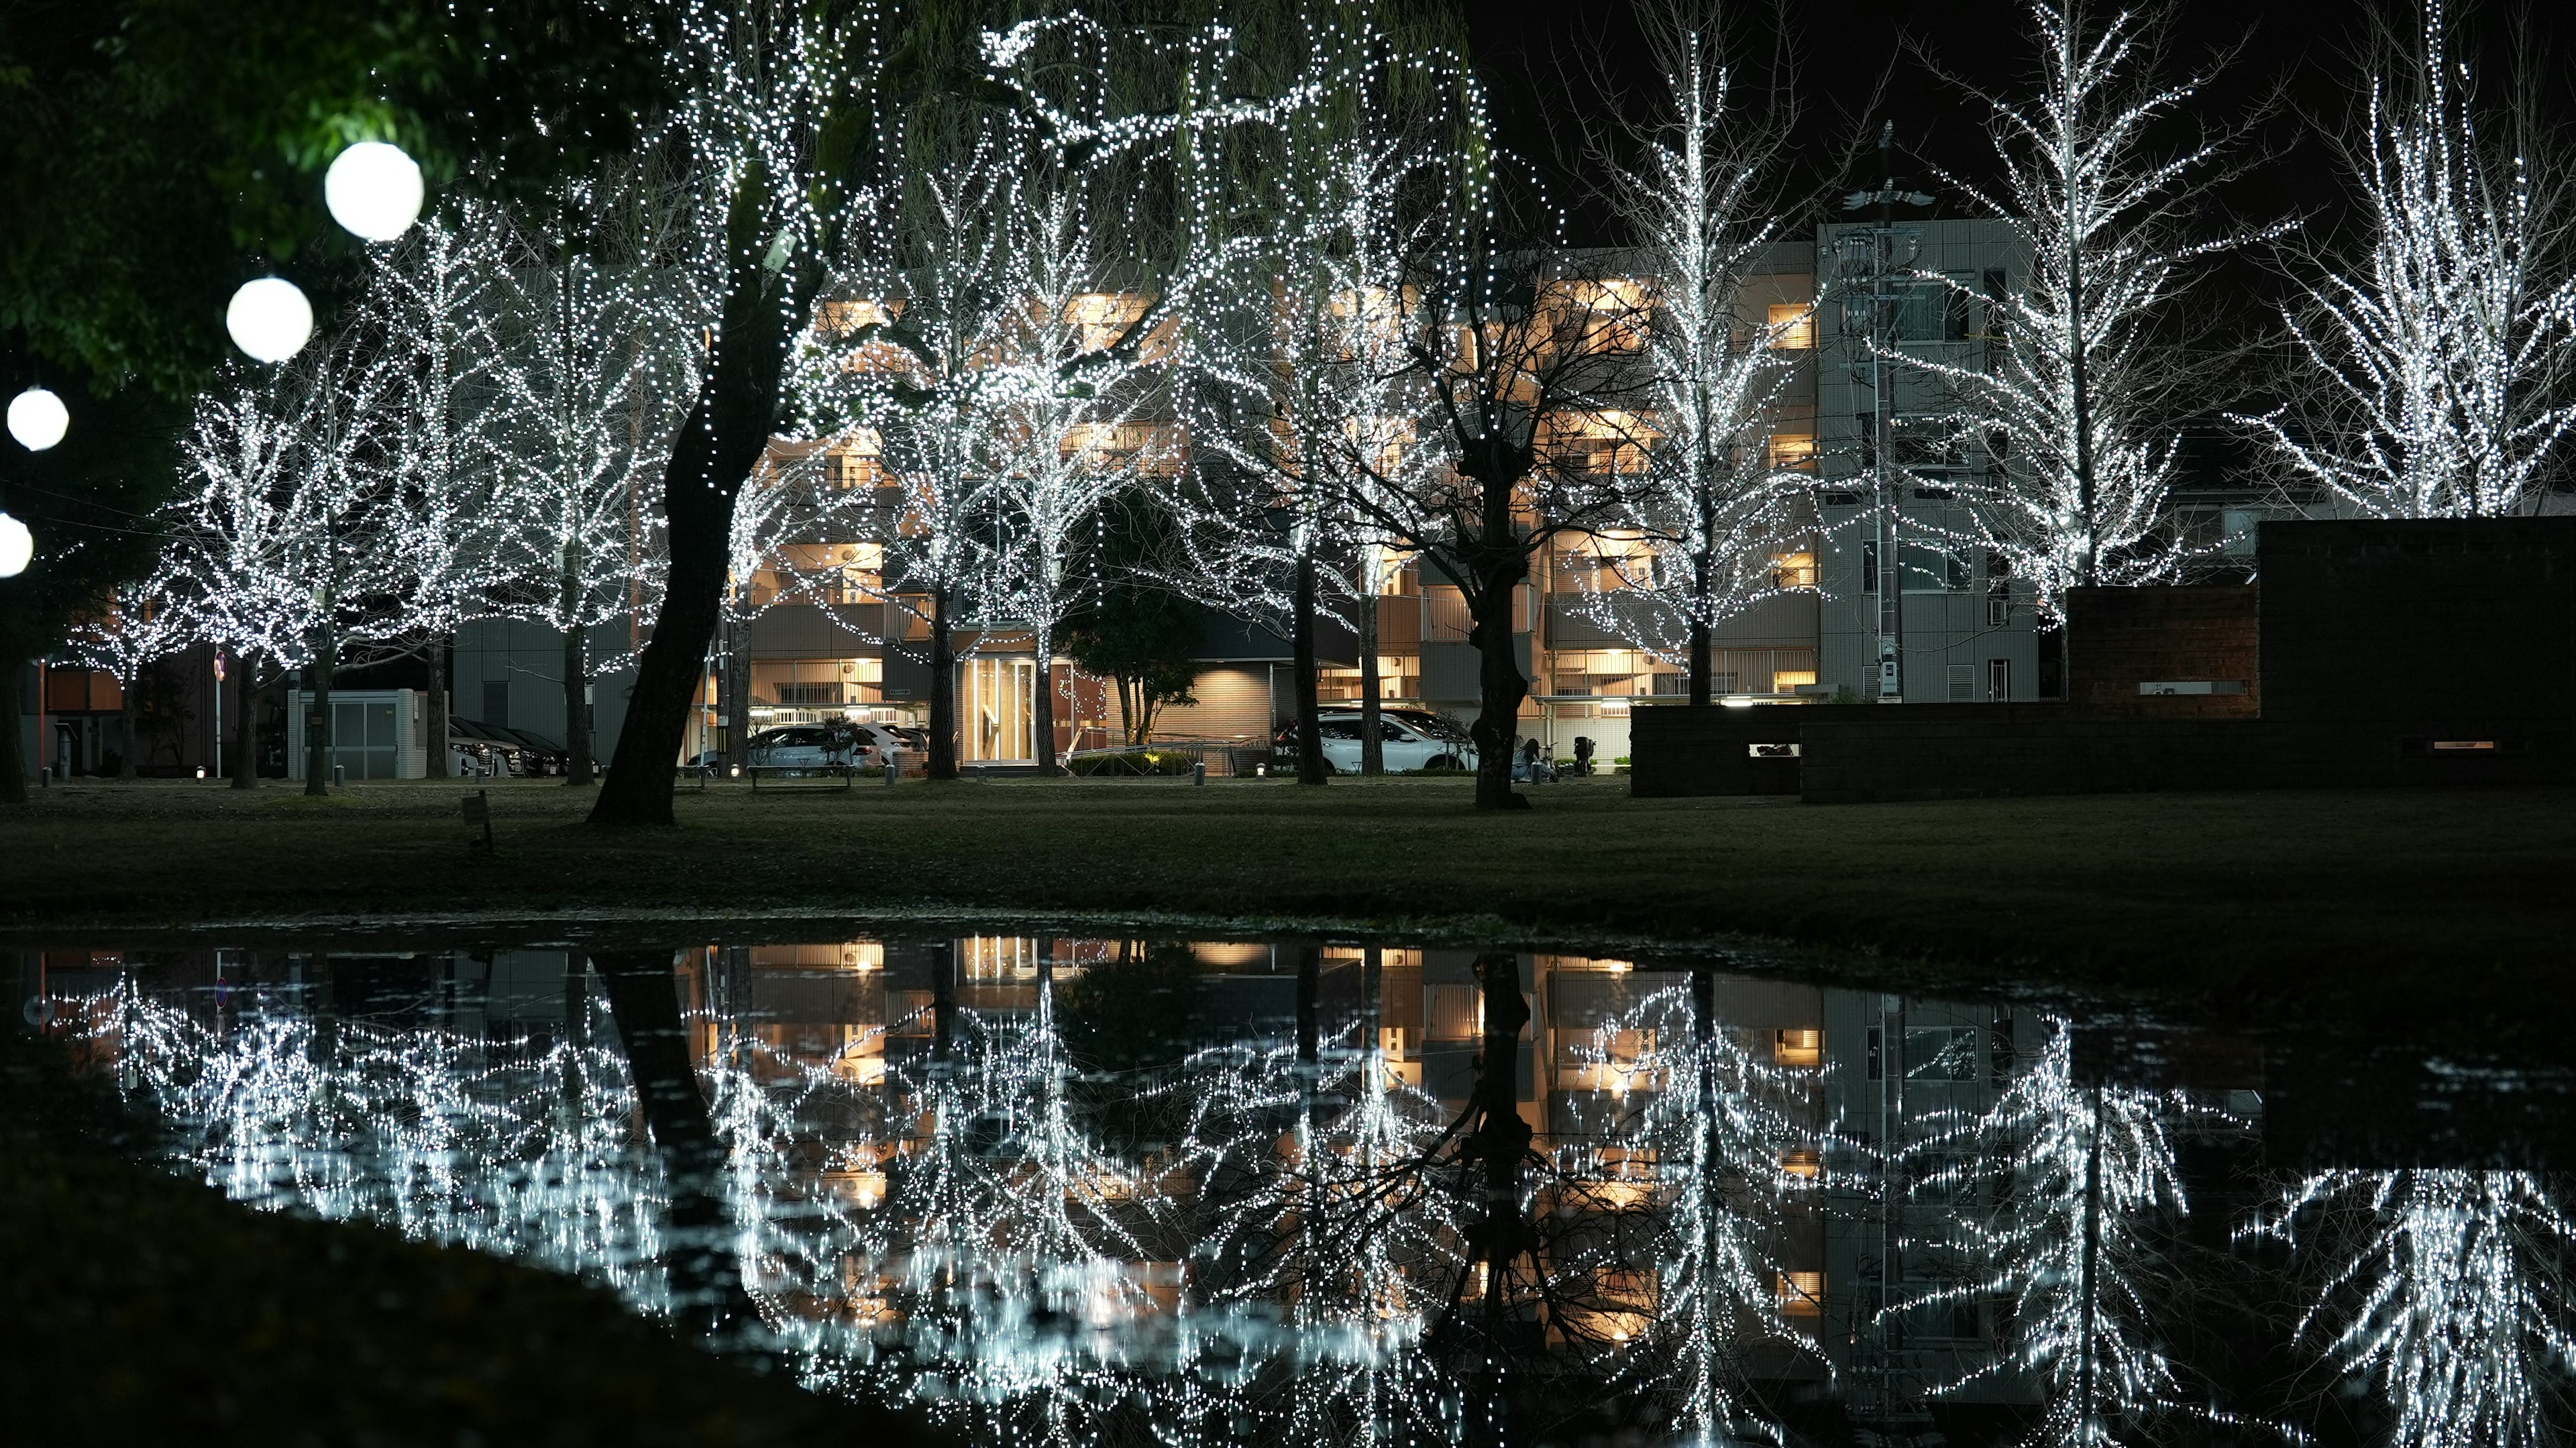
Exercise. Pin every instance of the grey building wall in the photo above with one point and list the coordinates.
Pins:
(504, 666)
(1949, 622)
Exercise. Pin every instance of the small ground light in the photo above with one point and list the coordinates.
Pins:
(269, 319)
(17, 547)
(38, 419)
(373, 190)
(201, 771)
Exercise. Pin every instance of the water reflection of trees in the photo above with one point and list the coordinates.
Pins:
(1685, 1177)
(1057, 1223)
(2058, 1206)
(2447, 1291)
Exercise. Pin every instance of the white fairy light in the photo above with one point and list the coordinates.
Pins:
(373, 189)
(38, 419)
(269, 319)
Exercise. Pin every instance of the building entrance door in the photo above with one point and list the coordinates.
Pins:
(995, 699)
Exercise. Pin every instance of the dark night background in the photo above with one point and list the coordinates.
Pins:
(2286, 69)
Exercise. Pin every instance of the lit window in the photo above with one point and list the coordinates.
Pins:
(1802, 1294)
(1785, 681)
(1799, 1047)
(1793, 449)
(1793, 570)
(1793, 327)
(1804, 1164)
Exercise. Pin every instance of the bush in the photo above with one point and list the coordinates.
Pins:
(1132, 761)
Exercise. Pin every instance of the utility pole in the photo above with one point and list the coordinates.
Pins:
(1880, 261)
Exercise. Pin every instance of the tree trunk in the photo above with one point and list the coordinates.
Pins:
(1701, 690)
(943, 690)
(1311, 768)
(643, 996)
(13, 757)
(434, 707)
(125, 688)
(246, 725)
(1500, 689)
(721, 442)
(576, 687)
(1044, 726)
(1501, 1140)
(317, 716)
(1372, 748)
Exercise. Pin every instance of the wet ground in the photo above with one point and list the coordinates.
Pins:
(1335, 1191)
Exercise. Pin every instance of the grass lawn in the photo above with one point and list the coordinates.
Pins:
(2440, 916)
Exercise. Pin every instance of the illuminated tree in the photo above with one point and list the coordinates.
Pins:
(1065, 406)
(2434, 370)
(767, 138)
(929, 344)
(2075, 400)
(287, 529)
(598, 356)
(1714, 503)
(436, 296)
(1291, 332)
(144, 622)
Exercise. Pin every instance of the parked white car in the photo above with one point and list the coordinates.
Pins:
(802, 746)
(1408, 739)
(820, 746)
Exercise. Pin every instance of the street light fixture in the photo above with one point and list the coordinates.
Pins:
(373, 190)
(17, 547)
(269, 319)
(37, 419)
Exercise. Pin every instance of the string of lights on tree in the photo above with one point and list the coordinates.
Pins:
(2432, 377)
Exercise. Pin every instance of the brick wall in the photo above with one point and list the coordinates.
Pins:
(2120, 638)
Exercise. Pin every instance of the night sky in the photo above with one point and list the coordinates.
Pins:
(1855, 63)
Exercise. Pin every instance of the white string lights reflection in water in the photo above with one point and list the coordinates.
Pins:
(2447, 1289)
(2056, 1191)
(1317, 1197)
(962, 1239)
(1697, 1146)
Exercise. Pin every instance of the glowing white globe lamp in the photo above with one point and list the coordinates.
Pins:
(37, 419)
(17, 547)
(269, 319)
(373, 189)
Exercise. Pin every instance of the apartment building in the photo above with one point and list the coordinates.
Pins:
(816, 637)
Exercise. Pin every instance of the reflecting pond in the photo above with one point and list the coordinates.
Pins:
(1178, 1192)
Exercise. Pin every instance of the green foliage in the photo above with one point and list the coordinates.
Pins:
(1132, 762)
(1137, 632)
(154, 154)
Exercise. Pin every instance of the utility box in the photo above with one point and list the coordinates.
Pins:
(375, 733)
